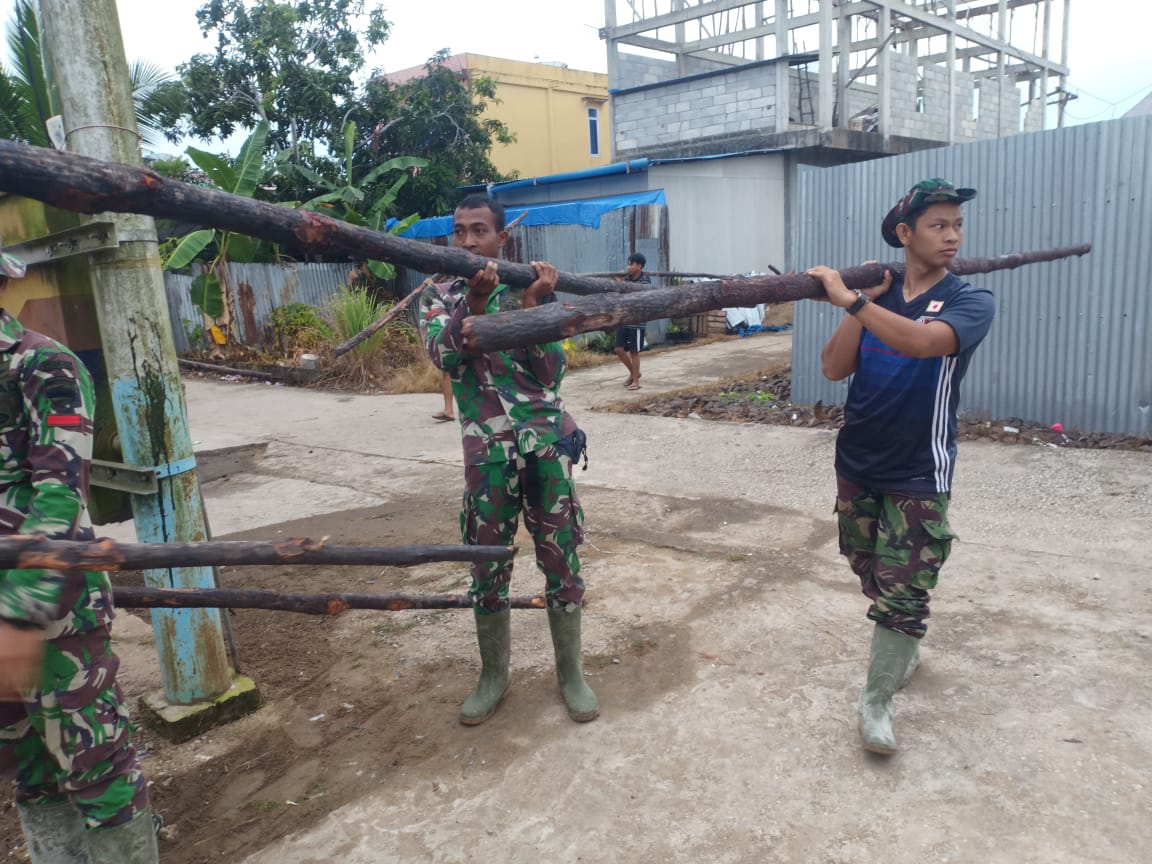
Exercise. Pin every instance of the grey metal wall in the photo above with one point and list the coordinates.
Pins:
(579, 249)
(184, 316)
(260, 288)
(726, 215)
(1072, 340)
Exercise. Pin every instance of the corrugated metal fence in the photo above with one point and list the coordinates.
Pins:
(260, 289)
(572, 248)
(1072, 340)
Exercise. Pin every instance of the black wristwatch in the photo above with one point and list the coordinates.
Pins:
(861, 301)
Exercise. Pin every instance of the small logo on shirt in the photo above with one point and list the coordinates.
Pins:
(935, 306)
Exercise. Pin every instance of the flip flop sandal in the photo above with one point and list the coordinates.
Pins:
(441, 417)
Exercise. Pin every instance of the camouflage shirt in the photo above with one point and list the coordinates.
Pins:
(46, 404)
(509, 401)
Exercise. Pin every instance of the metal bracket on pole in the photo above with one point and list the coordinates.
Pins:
(136, 479)
(81, 240)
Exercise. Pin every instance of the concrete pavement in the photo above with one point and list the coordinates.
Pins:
(1026, 735)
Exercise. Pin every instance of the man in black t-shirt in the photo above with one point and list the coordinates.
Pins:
(630, 337)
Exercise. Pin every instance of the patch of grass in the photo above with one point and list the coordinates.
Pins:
(629, 407)
(262, 806)
(418, 377)
(379, 358)
(757, 396)
(737, 557)
(583, 356)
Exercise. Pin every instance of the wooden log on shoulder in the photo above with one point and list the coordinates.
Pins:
(32, 552)
(308, 604)
(85, 185)
(554, 321)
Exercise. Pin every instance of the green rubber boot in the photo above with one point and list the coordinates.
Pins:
(133, 842)
(494, 636)
(913, 665)
(891, 658)
(54, 833)
(578, 696)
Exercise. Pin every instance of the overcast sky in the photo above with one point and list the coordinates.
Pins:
(1109, 54)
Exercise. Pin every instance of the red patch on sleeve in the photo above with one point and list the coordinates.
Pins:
(67, 420)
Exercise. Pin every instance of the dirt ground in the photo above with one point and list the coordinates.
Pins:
(765, 397)
(723, 635)
(351, 702)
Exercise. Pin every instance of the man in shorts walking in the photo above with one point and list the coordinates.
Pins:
(630, 337)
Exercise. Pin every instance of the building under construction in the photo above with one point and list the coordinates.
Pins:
(696, 77)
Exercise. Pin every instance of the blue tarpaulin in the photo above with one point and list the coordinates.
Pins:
(586, 213)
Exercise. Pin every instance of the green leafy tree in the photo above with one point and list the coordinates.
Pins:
(240, 176)
(291, 65)
(26, 100)
(27, 96)
(439, 116)
(364, 201)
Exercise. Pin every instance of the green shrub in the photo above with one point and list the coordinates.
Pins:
(603, 342)
(295, 323)
(378, 357)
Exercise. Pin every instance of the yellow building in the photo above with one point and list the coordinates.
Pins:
(558, 115)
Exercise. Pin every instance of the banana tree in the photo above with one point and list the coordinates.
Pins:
(239, 177)
(347, 198)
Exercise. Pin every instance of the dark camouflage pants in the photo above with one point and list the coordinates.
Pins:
(539, 485)
(896, 544)
(71, 738)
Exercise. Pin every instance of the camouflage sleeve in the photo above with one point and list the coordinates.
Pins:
(58, 398)
(441, 327)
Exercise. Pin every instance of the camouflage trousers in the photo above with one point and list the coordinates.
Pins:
(70, 739)
(896, 544)
(539, 485)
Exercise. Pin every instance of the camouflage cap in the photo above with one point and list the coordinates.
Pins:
(919, 197)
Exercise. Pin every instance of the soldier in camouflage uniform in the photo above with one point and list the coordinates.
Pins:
(519, 446)
(908, 344)
(64, 728)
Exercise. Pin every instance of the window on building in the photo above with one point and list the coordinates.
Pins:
(594, 131)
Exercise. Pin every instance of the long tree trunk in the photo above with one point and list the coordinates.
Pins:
(89, 185)
(310, 604)
(504, 330)
(31, 552)
(86, 185)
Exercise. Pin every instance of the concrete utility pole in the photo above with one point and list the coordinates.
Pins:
(86, 57)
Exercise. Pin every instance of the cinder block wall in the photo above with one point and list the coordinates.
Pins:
(745, 99)
(931, 121)
(738, 101)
